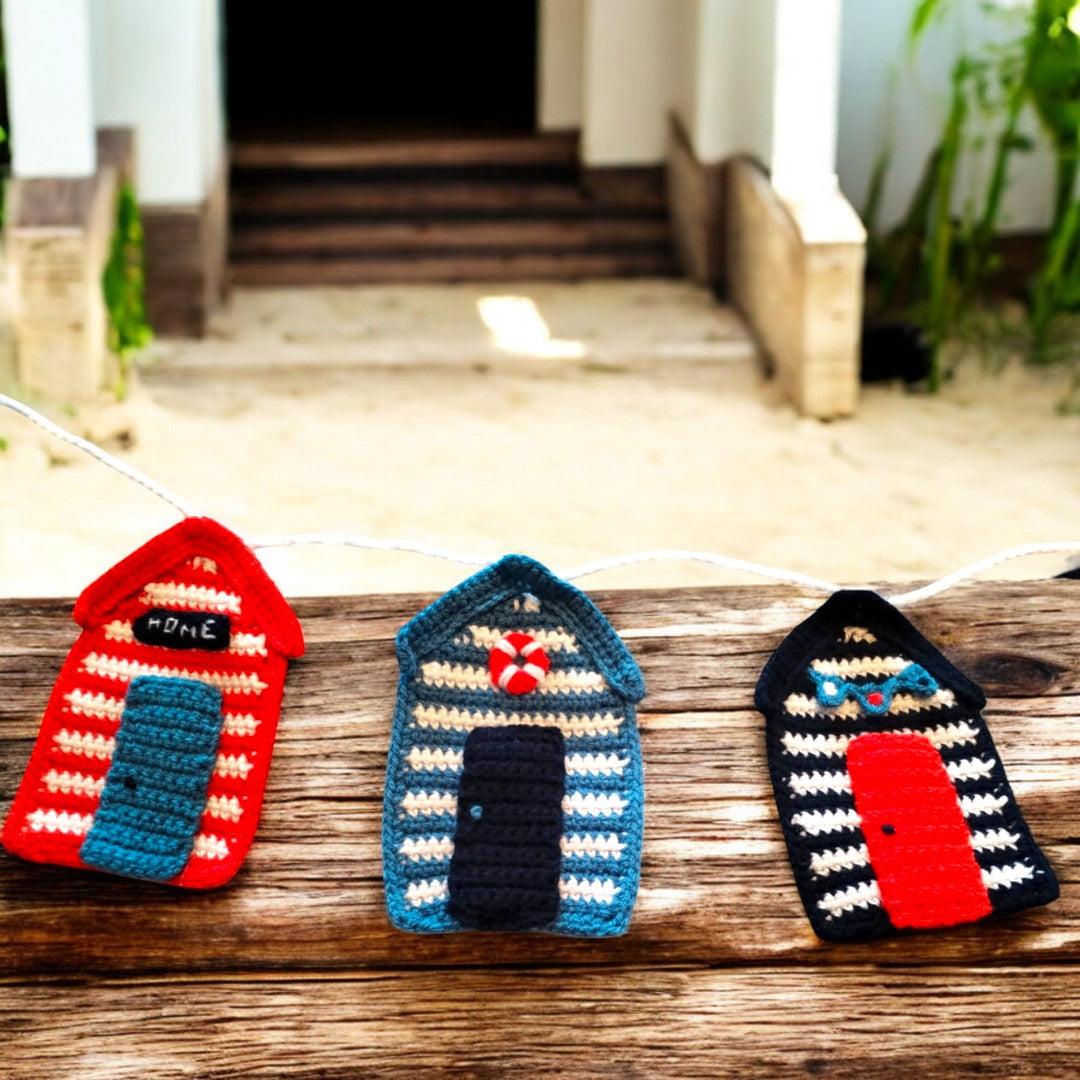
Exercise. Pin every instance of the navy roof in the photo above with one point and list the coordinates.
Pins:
(511, 576)
(853, 607)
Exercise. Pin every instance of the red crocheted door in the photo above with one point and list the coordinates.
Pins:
(916, 834)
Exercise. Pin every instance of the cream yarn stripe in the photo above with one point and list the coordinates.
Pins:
(784, 575)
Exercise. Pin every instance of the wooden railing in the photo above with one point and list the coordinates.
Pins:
(294, 970)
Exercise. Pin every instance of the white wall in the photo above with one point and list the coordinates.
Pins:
(157, 69)
(561, 65)
(887, 95)
(47, 43)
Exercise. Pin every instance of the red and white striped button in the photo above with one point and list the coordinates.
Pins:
(517, 663)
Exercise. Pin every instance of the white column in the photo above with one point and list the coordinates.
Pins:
(50, 93)
(560, 66)
(627, 79)
(157, 69)
(806, 91)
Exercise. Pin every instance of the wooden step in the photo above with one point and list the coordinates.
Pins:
(451, 267)
(375, 198)
(556, 150)
(359, 238)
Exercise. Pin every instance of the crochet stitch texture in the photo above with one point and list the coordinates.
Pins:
(155, 789)
(471, 784)
(894, 803)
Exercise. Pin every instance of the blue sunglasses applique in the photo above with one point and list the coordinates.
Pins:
(874, 697)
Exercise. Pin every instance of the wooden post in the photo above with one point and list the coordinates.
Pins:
(796, 273)
(294, 966)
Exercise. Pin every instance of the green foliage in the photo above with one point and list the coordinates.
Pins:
(937, 264)
(124, 285)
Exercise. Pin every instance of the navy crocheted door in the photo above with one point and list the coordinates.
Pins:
(504, 874)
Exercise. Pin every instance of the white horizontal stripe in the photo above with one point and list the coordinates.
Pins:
(994, 839)
(103, 707)
(85, 743)
(865, 894)
(425, 892)
(61, 821)
(427, 848)
(487, 637)
(816, 822)
(1004, 877)
(434, 758)
(100, 706)
(596, 764)
(604, 804)
(592, 845)
(438, 759)
(178, 595)
(113, 667)
(74, 783)
(974, 805)
(815, 782)
(208, 846)
(969, 769)
(226, 807)
(801, 745)
(862, 665)
(943, 736)
(439, 716)
(428, 802)
(823, 863)
(470, 677)
(236, 766)
(239, 644)
(801, 705)
(596, 891)
(240, 724)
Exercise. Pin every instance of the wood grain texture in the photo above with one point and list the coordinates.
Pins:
(293, 970)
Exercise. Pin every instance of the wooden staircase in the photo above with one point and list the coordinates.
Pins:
(438, 209)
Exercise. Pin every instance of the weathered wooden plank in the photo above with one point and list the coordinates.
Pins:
(643, 1022)
(715, 885)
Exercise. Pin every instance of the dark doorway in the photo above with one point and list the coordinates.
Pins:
(396, 64)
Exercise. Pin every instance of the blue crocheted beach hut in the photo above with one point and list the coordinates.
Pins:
(514, 784)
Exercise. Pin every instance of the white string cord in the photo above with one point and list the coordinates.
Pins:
(372, 543)
(98, 454)
(965, 573)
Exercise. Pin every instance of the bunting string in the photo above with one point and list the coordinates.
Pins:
(783, 575)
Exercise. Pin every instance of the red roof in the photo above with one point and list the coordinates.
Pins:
(196, 536)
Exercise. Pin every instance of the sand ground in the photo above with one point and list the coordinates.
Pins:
(597, 419)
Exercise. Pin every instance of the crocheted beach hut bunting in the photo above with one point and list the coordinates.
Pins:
(893, 801)
(514, 787)
(154, 749)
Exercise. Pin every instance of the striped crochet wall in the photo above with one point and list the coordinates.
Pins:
(447, 691)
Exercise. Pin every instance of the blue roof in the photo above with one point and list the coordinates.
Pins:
(514, 575)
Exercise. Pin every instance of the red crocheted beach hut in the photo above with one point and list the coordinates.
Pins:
(193, 606)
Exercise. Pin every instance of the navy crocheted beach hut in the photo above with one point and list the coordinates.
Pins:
(514, 785)
(893, 800)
